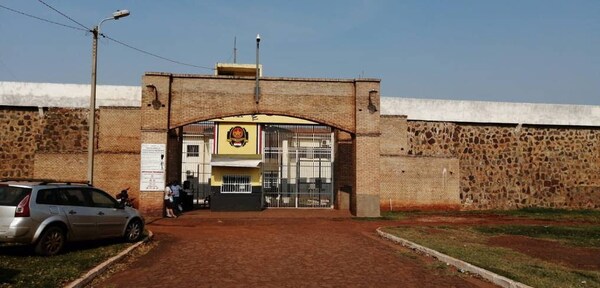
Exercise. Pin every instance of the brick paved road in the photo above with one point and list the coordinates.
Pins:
(321, 248)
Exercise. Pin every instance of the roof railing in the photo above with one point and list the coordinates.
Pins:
(44, 181)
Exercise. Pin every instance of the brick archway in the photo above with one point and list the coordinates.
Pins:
(170, 101)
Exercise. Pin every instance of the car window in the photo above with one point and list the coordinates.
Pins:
(101, 199)
(11, 196)
(48, 196)
(75, 197)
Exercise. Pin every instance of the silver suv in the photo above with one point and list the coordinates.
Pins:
(48, 215)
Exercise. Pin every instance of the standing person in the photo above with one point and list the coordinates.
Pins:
(169, 202)
(176, 189)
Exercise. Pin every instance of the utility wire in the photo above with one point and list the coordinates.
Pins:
(154, 55)
(103, 35)
(42, 19)
(124, 44)
(64, 15)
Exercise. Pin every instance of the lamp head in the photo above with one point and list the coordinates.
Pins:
(120, 14)
(257, 38)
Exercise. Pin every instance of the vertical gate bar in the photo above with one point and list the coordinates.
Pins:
(331, 170)
(262, 172)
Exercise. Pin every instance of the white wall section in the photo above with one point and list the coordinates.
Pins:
(67, 95)
(491, 112)
(78, 96)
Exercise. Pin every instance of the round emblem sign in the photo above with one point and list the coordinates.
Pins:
(237, 136)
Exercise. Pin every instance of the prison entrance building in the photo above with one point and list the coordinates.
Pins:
(253, 162)
(262, 162)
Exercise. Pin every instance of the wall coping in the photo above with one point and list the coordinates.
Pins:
(31, 94)
(67, 95)
(491, 112)
(262, 78)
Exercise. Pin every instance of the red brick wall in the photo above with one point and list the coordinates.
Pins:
(422, 183)
(196, 98)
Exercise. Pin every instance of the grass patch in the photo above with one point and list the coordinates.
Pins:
(469, 244)
(386, 216)
(584, 236)
(399, 215)
(554, 214)
(22, 268)
(368, 219)
(549, 214)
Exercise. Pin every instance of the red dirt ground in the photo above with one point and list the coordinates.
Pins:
(279, 248)
(309, 248)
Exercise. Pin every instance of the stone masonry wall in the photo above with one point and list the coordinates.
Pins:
(64, 130)
(62, 145)
(19, 132)
(51, 143)
(31, 137)
(505, 167)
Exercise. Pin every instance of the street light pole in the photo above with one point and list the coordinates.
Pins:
(92, 113)
(257, 87)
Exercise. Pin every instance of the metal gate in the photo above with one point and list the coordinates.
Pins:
(195, 161)
(298, 166)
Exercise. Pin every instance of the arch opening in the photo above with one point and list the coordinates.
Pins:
(255, 162)
(265, 117)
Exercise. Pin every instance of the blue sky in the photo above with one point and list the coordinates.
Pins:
(510, 51)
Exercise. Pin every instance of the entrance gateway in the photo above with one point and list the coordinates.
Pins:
(292, 156)
(273, 162)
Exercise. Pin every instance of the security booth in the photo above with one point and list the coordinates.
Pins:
(236, 183)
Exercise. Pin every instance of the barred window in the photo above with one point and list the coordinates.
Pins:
(271, 180)
(236, 184)
(193, 150)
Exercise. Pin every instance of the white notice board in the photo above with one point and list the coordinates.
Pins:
(152, 170)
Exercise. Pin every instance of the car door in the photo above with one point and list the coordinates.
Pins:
(111, 218)
(81, 218)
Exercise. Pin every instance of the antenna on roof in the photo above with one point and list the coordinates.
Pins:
(234, 50)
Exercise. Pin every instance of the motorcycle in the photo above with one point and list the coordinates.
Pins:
(123, 197)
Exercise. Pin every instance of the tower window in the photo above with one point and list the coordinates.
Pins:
(193, 150)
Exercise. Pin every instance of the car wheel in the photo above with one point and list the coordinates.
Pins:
(51, 242)
(133, 232)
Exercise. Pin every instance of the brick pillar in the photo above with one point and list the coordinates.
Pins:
(366, 149)
(156, 90)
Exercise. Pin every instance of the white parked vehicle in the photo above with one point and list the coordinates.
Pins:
(48, 215)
